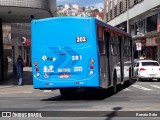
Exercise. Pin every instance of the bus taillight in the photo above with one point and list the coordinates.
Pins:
(91, 72)
(37, 69)
(92, 61)
(91, 67)
(37, 74)
(36, 63)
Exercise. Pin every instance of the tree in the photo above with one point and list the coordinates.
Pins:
(61, 14)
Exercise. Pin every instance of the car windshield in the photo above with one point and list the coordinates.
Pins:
(150, 64)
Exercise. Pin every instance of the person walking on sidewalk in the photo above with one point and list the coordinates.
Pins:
(21, 61)
(19, 71)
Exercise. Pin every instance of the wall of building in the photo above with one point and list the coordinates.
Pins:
(134, 11)
(143, 24)
(1, 52)
(11, 45)
(19, 30)
(41, 4)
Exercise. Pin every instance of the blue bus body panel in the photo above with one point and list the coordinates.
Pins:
(63, 48)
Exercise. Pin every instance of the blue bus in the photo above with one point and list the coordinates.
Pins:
(70, 53)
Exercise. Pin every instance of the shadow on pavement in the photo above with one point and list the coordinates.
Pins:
(149, 80)
(92, 94)
(98, 95)
(113, 113)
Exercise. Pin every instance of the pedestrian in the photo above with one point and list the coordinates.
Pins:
(5, 67)
(14, 69)
(21, 61)
(19, 71)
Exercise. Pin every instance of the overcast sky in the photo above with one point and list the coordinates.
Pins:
(82, 3)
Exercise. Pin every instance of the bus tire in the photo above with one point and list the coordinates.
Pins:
(68, 92)
(114, 83)
(128, 82)
(130, 73)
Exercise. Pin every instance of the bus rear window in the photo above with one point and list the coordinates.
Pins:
(101, 46)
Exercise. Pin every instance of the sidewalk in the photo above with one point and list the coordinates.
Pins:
(11, 86)
(27, 78)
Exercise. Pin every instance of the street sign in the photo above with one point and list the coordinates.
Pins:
(138, 46)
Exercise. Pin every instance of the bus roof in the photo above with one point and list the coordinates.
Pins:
(61, 18)
(113, 28)
(84, 18)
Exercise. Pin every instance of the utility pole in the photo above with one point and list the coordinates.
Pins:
(128, 27)
(158, 31)
(105, 11)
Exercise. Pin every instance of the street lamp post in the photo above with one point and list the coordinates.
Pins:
(158, 30)
(128, 18)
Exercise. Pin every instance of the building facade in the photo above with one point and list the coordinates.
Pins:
(14, 14)
(140, 18)
(21, 42)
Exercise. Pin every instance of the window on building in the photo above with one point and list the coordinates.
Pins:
(110, 2)
(152, 23)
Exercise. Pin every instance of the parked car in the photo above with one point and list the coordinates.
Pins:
(146, 69)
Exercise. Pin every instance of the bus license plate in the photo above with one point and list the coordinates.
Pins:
(64, 76)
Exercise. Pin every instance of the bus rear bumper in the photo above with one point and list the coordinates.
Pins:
(66, 84)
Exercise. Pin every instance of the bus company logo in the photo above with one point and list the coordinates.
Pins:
(45, 58)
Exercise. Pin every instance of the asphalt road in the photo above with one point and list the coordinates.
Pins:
(139, 100)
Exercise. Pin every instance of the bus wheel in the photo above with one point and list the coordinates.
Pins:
(68, 92)
(114, 83)
(130, 74)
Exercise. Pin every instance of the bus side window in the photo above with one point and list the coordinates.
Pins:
(114, 46)
(127, 51)
(101, 46)
(101, 42)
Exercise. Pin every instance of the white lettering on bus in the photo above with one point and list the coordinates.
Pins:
(64, 70)
(81, 39)
(76, 57)
(78, 69)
